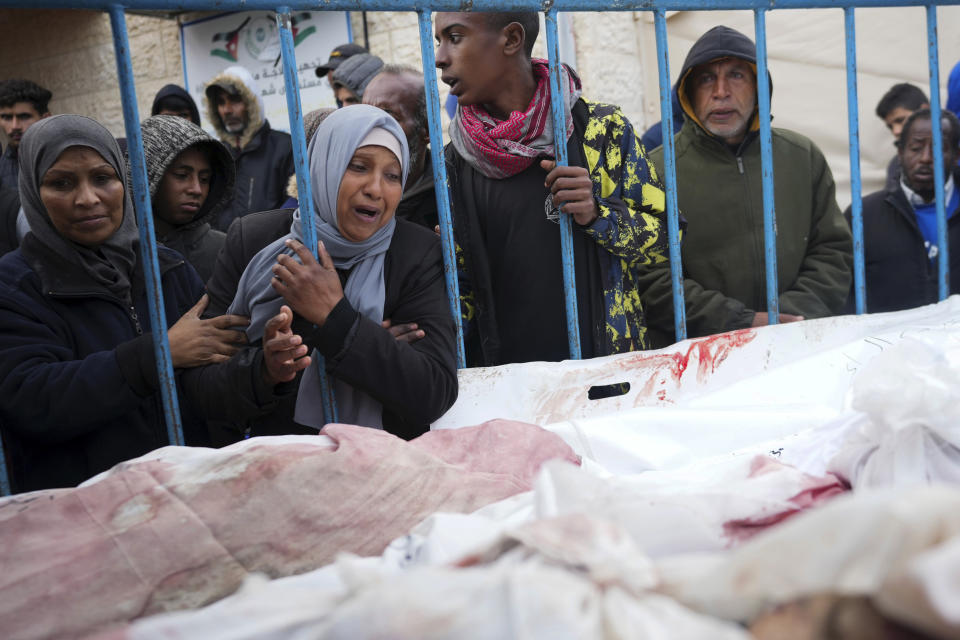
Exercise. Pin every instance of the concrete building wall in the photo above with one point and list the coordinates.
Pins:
(76, 60)
(71, 53)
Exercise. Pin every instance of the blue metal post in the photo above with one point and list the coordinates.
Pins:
(305, 198)
(936, 126)
(856, 206)
(440, 177)
(766, 160)
(4, 474)
(557, 112)
(670, 176)
(148, 243)
(473, 5)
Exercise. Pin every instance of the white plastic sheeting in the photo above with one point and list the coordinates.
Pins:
(704, 500)
(754, 390)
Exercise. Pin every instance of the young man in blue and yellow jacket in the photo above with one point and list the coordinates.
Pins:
(506, 190)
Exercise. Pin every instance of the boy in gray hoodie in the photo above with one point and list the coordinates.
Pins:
(191, 178)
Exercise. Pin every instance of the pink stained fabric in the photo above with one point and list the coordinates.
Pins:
(813, 491)
(183, 529)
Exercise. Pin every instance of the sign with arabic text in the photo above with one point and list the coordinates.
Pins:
(251, 39)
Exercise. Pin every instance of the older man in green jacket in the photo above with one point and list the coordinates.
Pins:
(719, 191)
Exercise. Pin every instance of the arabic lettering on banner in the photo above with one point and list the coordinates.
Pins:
(251, 39)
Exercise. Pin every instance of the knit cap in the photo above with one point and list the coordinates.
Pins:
(356, 72)
(166, 137)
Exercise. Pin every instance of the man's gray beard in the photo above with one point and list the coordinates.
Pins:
(236, 128)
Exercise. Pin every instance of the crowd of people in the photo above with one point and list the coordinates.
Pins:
(252, 314)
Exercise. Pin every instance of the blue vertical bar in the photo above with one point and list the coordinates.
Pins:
(670, 176)
(4, 474)
(440, 177)
(305, 198)
(148, 243)
(856, 206)
(766, 160)
(557, 112)
(936, 126)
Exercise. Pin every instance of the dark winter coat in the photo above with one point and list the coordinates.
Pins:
(165, 138)
(416, 383)
(79, 389)
(263, 157)
(899, 275)
(9, 208)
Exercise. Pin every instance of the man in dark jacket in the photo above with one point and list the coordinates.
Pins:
(172, 100)
(719, 193)
(899, 225)
(264, 157)
(398, 90)
(507, 192)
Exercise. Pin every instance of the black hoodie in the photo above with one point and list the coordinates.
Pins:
(719, 42)
(180, 92)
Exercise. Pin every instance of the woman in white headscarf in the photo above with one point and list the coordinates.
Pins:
(372, 266)
(79, 389)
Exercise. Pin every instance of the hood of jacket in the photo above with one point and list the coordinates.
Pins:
(166, 137)
(240, 80)
(179, 92)
(719, 42)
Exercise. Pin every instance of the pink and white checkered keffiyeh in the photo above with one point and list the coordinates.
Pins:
(503, 148)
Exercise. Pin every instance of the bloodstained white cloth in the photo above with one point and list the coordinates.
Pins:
(182, 527)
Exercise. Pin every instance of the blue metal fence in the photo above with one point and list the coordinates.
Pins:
(551, 8)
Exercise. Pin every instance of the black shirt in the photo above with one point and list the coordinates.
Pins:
(526, 269)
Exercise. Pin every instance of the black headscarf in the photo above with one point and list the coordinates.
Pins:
(111, 264)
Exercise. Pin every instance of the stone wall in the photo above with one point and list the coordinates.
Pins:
(76, 60)
(71, 53)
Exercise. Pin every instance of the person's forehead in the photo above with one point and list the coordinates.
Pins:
(376, 151)
(405, 88)
(223, 94)
(78, 155)
(920, 128)
(724, 63)
(20, 108)
(469, 19)
(192, 155)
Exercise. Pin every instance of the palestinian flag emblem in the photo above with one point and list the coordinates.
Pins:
(228, 40)
(297, 27)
